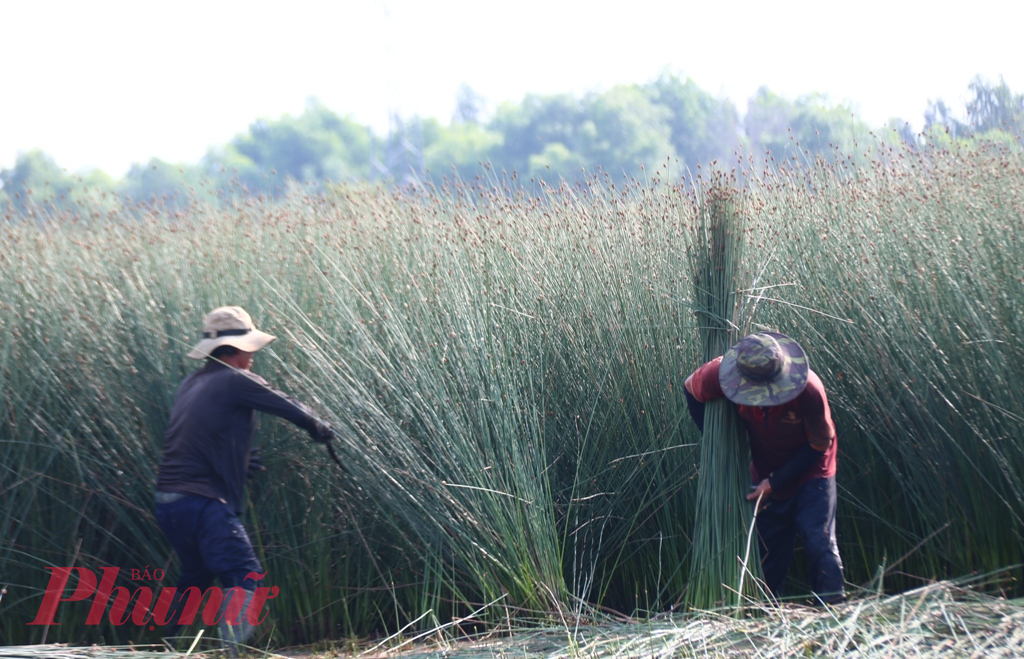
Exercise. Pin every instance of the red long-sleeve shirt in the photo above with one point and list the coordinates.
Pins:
(777, 432)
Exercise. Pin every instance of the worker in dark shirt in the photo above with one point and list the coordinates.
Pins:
(208, 455)
(793, 453)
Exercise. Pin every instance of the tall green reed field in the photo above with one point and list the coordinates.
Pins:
(913, 268)
(505, 367)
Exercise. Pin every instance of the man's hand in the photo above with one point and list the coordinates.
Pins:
(323, 433)
(763, 489)
(255, 463)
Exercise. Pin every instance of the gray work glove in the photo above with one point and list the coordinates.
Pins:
(323, 433)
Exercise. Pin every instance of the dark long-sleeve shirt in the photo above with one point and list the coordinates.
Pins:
(209, 435)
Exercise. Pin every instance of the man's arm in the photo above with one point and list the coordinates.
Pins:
(253, 391)
(818, 428)
(695, 408)
(797, 464)
(700, 387)
(817, 417)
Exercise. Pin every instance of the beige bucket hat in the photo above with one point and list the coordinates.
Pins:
(229, 326)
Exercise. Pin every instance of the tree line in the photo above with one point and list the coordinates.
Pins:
(620, 131)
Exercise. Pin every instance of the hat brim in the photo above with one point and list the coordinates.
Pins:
(784, 387)
(252, 341)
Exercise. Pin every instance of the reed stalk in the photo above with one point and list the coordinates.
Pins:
(722, 515)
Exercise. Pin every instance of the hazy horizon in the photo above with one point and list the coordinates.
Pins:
(115, 83)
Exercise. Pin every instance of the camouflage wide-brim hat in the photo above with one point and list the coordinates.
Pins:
(763, 370)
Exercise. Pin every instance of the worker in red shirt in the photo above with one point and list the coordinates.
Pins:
(793, 453)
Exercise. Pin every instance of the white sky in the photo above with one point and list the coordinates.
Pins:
(97, 83)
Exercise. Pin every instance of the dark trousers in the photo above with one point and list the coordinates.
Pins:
(811, 512)
(210, 541)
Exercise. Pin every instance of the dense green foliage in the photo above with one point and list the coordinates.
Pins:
(505, 367)
(620, 131)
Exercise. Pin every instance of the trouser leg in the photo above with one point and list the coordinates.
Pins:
(179, 522)
(235, 632)
(815, 518)
(775, 534)
(228, 552)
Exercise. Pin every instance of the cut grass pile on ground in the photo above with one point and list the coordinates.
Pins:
(938, 620)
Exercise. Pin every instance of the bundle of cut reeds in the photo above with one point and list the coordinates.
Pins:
(723, 515)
